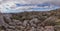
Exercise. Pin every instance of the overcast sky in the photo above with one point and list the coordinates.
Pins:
(56, 2)
(5, 3)
(32, 1)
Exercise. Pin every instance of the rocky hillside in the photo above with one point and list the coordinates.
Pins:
(31, 21)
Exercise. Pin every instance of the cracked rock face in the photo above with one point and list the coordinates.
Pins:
(28, 21)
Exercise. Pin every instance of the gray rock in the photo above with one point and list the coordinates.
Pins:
(25, 22)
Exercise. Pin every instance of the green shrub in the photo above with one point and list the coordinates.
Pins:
(16, 17)
(57, 23)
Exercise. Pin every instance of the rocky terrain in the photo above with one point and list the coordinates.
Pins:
(31, 21)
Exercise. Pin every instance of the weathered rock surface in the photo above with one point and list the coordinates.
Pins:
(29, 21)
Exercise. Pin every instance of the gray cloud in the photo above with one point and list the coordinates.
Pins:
(56, 2)
(28, 1)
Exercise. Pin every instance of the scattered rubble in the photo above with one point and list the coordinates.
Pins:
(30, 21)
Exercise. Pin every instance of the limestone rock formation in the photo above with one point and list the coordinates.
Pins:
(30, 21)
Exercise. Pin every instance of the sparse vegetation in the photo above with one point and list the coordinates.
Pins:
(33, 21)
(57, 23)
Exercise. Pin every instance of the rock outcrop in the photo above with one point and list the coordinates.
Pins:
(30, 21)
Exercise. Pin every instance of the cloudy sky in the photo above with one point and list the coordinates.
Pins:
(33, 0)
(10, 5)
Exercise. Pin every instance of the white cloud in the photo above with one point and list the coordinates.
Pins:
(9, 3)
